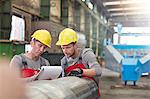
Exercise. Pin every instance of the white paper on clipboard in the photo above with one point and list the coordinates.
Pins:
(50, 72)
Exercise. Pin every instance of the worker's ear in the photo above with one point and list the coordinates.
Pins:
(32, 43)
(75, 45)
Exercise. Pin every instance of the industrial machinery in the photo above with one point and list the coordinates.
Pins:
(130, 60)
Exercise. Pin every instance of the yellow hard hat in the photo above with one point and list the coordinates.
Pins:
(43, 36)
(67, 36)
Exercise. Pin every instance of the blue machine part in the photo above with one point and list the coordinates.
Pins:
(145, 63)
(146, 67)
(130, 70)
(137, 47)
(131, 60)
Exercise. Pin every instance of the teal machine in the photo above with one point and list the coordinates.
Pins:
(130, 60)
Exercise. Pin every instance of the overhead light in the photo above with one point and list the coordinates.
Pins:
(105, 21)
(101, 16)
(90, 5)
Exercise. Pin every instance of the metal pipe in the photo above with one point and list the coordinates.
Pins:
(62, 88)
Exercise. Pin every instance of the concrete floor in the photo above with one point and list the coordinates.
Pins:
(110, 79)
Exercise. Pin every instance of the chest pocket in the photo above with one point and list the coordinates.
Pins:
(25, 64)
(28, 72)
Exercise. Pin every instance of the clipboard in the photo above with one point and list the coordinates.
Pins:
(49, 72)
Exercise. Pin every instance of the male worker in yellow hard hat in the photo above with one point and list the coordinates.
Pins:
(30, 62)
(77, 62)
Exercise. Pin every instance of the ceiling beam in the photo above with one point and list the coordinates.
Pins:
(147, 13)
(109, 0)
(131, 12)
(131, 17)
(134, 23)
(101, 7)
(127, 8)
(128, 12)
(122, 2)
